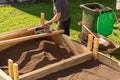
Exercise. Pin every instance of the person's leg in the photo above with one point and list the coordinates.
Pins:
(65, 26)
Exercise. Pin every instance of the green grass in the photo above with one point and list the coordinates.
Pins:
(21, 16)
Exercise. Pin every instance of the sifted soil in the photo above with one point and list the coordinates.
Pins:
(33, 54)
(90, 70)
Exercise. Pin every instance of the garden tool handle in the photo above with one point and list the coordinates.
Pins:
(81, 23)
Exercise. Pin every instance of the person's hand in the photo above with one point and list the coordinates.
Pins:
(49, 23)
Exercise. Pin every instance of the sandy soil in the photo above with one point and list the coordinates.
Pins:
(33, 54)
(90, 70)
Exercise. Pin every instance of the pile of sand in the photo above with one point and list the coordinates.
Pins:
(33, 54)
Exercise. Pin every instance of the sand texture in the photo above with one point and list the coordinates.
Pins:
(90, 70)
(33, 54)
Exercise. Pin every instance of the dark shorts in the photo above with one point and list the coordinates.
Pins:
(65, 26)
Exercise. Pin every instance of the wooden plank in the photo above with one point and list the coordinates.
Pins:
(2, 47)
(15, 71)
(108, 61)
(69, 44)
(4, 76)
(10, 68)
(42, 18)
(80, 48)
(95, 48)
(17, 33)
(67, 63)
(21, 39)
(89, 43)
(58, 39)
(65, 41)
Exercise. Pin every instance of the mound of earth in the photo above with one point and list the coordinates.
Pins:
(33, 54)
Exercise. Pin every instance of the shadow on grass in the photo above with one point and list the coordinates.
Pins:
(47, 7)
(36, 8)
(116, 27)
(116, 54)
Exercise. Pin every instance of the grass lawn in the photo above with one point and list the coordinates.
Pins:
(25, 15)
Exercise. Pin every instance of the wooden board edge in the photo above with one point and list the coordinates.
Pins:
(2, 47)
(64, 64)
(4, 76)
(19, 30)
(70, 44)
(108, 61)
(21, 39)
